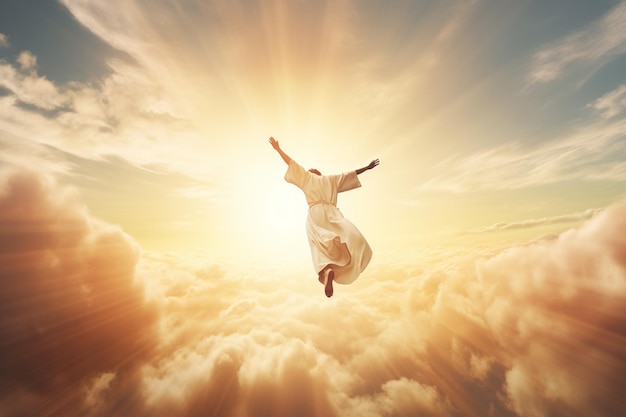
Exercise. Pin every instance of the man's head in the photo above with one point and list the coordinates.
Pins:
(315, 171)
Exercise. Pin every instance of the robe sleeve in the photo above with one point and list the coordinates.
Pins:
(296, 175)
(347, 181)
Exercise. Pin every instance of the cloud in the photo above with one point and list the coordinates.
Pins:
(565, 218)
(128, 113)
(4, 41)
(71, 312)
(532, 331)
(593, 45)
(27, 61)
(554, 309)
(96, 119)
(611, 104)
(585, 153)
(265, 347)
(27, 86)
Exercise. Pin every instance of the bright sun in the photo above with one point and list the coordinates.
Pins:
(284, 210)
(271, 218)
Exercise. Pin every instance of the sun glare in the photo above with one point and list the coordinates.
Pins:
(271, 218)
(283, 210)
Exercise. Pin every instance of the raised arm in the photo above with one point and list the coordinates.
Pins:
(371, 165)
(282, 154)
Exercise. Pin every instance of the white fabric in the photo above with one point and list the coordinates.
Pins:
(332, 238)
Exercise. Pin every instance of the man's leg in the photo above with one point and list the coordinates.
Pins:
(329, 275)
(325, 277)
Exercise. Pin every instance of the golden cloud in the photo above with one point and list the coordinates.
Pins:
(70, 309)
(537, 330)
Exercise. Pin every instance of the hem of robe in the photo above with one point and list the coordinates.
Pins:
(346, 272)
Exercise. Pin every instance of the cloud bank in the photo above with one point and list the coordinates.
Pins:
(553, 309)
(71, 314)
(525, 224)
(537, 330)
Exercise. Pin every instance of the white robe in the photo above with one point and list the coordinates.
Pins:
(333, 239)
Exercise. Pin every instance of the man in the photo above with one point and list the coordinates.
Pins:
(338, 250)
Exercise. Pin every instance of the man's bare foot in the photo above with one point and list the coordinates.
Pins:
(328, 282)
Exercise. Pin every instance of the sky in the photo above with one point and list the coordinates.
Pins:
(154, 261)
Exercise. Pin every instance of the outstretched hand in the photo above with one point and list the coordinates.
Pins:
(274, 143)
(276, 147)
(373, 164)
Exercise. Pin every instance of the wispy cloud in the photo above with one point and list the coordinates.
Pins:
(594, 45)
(4, 41)
(27, 61)
(525, 224)
(128, 114)
(586, 153)
(26, 86)
(611, 104)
